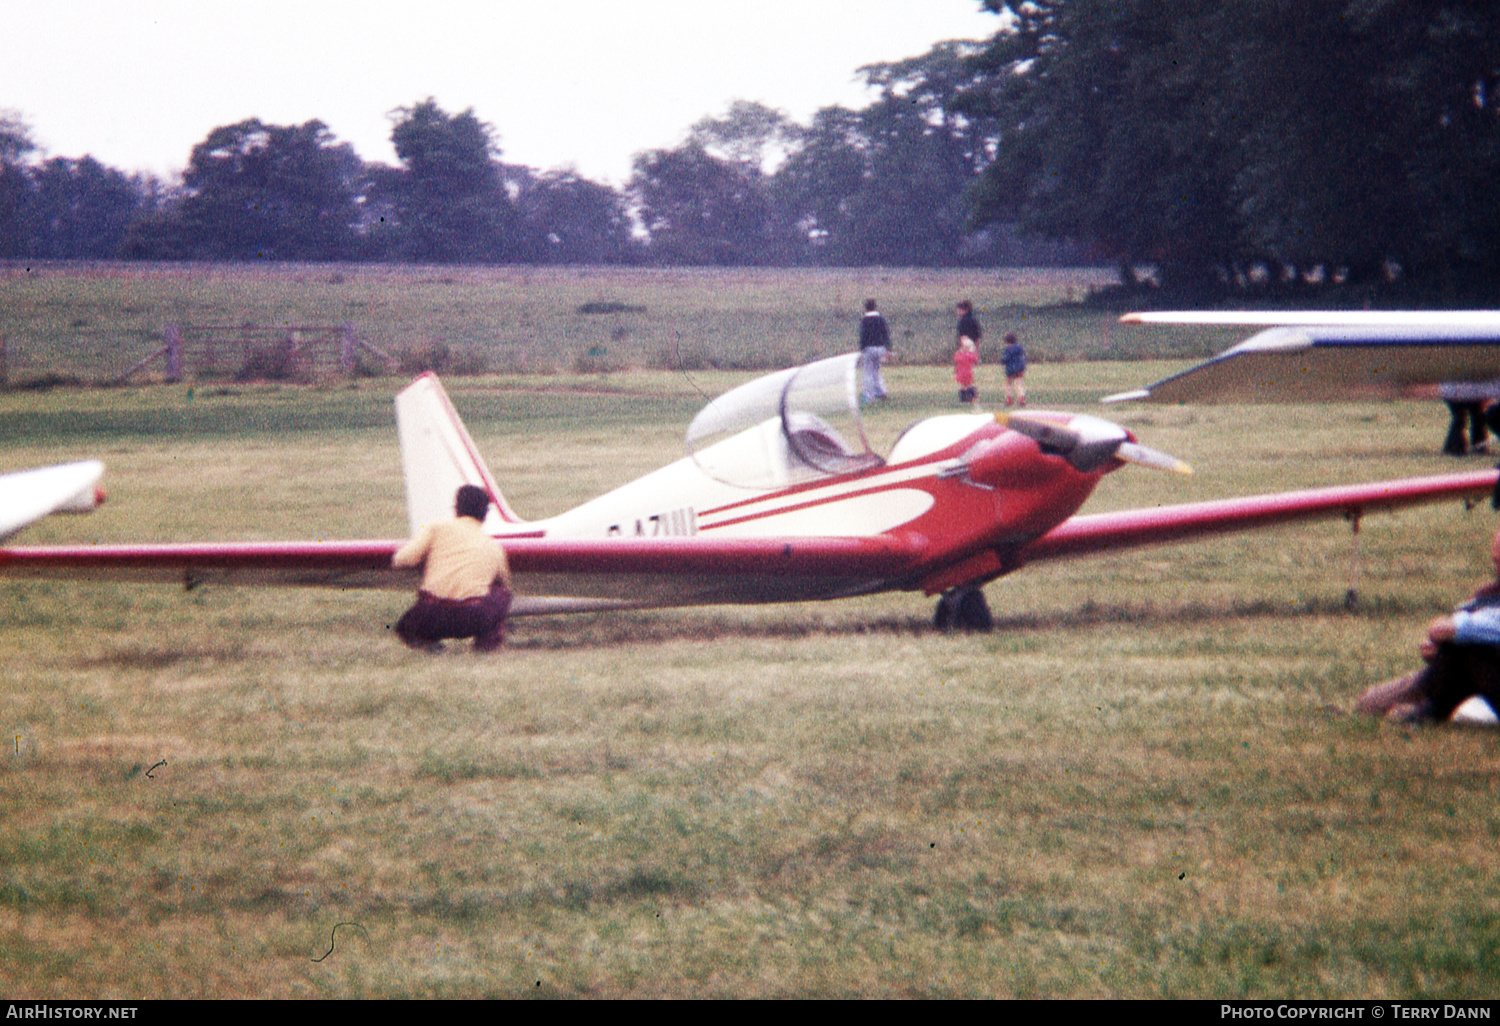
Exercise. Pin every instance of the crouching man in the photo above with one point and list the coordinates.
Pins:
(465, 590)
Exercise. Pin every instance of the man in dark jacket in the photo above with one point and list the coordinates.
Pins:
(874, 350)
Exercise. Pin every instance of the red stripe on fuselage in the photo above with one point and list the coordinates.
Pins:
(798, 506)
(834, 482)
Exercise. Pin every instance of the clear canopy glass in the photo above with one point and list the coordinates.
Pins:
(796, 425)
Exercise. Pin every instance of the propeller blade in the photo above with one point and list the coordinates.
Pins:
(1091, 443)
(1053, 438)
(1143, 456)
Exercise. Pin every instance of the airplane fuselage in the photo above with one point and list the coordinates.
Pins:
(957, 499)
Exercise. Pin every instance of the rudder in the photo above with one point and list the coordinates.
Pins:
(438, 456)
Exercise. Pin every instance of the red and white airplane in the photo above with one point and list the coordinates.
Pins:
(780, 498)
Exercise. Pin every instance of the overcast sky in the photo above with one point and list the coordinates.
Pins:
(586, 83)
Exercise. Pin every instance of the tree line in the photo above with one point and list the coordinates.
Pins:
(1230, 146)
(750, 187)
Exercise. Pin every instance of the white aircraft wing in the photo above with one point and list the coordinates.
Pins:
(1325, 318)
(1323, 357)
(29, 495)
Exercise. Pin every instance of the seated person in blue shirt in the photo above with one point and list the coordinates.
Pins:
(1462, 655)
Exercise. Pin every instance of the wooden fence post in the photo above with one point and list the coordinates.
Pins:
(174, 353)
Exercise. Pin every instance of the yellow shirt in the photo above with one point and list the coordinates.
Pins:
(458, 560)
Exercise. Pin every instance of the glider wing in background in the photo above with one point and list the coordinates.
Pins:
(1322, 356)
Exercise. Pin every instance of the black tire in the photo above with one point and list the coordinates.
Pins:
(963, 609)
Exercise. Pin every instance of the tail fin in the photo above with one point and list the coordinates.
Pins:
(438, 456)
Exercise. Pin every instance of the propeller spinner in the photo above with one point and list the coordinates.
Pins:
(1088, 443)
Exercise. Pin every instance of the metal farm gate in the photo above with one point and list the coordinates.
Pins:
(248, 352)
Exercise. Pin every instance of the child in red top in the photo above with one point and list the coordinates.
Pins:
(964, 362)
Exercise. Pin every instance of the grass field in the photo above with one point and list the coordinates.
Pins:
(1142, 784)
(93, 322)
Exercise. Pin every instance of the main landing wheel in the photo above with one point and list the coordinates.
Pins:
(963, 609)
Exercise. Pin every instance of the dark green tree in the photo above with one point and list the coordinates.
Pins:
(1110, 129)
(15, 184)
(923, 155)
(81, 209)
(573, 220)
(887, 184)
(1209, 139)
(450, 203)
(156, 231)
(748, 135)
(258, 191)
(703, 210)
(1383, 145)
(377, 229)
(816, 188)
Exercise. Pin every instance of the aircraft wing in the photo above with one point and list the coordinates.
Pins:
(29, 495)
(1326, 356)
(550, 576)
(699, 571)
(1466, 319)
(1096, 533)
(558, 576)
(337, 564)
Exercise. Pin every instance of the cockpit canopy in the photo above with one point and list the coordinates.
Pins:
(785, 428)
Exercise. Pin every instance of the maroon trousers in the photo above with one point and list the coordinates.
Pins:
(431, 620)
